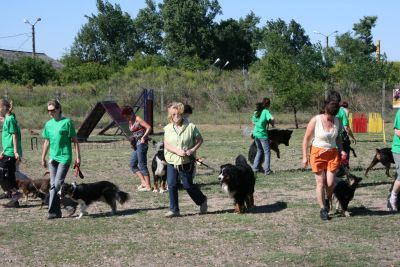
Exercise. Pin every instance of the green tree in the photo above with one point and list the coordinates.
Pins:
(291, 65)
(149, 26)
(188, 27)
(33, 71)
(108, 37)
(5, 71)
(356, 65)
(237, 41)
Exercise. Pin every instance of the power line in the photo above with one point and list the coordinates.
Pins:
(23, 43)
(11, 36)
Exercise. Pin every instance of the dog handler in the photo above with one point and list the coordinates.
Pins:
(11, 154)
(324, 156)
(181, 140)
(139, 139)
(392, 203)
(261, 118)
(58, 133)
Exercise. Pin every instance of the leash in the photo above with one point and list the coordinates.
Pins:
(78, 170)
(201, 163)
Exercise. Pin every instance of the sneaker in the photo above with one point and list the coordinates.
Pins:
(324, 214)
(171, 214)
(391, 205)
(140, 187)
(11, 204)
(53, 216)
(327, 205)
(204, 207)
(269, 173)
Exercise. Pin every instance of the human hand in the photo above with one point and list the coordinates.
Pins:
(181, 152)
(44, 163)
(16, 155)
(353, 140)
(305, 162)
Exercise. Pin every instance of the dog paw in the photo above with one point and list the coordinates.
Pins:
(347, 214)
(155, 190)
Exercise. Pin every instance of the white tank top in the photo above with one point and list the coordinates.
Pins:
(322, 138)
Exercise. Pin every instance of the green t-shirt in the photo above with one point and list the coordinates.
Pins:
(10, 126)
(186, 138)
(260, 124)
(343, 117)
(59, 134)
(396, 138)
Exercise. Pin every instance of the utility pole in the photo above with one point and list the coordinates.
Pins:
(33, 35)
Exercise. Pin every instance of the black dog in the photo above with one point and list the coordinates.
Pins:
(344, 192)
(159, 168)
(238, 181)
(276, 137)
(383, 156)
(85, 194)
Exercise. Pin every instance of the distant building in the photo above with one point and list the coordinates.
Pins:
(12, 55)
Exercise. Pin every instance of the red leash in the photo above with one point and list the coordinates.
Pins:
(78, 170)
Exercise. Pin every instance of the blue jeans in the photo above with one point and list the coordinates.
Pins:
(262, 145)
(58, 172)
(185, 173)
(138, 161)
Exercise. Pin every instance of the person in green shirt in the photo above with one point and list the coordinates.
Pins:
(181, 140)
(392, 201)
(11, 154)
(58, 133)
(261, 118)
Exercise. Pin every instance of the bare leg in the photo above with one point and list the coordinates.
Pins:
(320, 188)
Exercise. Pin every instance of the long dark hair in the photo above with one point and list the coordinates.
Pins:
(259, 109)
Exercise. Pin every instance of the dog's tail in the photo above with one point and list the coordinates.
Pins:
(241, 161)
(122, 197)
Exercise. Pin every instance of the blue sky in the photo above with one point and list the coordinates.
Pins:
(62, 19)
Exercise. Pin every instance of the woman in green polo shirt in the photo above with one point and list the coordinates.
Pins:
(58, 133)
(181, 140)
(12, 152)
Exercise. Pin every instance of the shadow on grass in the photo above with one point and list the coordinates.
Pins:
(363, 211)
(119, 212)
(276, 207)
(362, 184)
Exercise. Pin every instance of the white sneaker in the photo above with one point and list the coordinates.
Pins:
(171, 214)
(392, 205)
(204, 207)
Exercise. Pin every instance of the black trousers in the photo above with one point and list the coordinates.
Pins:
(7, 173)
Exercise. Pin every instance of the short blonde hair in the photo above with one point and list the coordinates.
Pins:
(175, 106)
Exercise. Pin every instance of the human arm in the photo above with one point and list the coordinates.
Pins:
(350, 133)
(198, 142)
(147, 126)
(306, 140)
(15, 145)
(45, 149)
(77, 150)
(175, 150)
(340, 145)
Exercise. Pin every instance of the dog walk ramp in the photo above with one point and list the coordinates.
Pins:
(112, 109)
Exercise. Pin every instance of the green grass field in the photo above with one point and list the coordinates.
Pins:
(283, 230)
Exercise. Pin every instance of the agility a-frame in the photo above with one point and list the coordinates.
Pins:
(114, 111)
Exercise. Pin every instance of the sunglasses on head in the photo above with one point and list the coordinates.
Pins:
(51, 110)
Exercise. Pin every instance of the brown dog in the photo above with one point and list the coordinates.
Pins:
(36, 188)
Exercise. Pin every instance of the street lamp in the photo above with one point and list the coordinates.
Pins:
(33, 34)
(326, 37)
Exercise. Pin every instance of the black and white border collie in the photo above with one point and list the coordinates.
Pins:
(86, 194)
(159, 168)
(238, 181)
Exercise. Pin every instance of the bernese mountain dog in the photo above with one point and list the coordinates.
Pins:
(238, 181)
(159, 168)
(86, 194)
